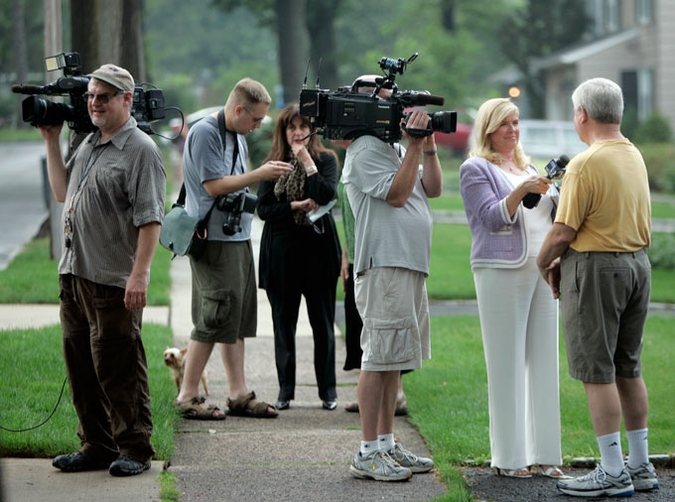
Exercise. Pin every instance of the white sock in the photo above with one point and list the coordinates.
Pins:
(369, 447)
(386, 441)
(611, 457)
(638, 447)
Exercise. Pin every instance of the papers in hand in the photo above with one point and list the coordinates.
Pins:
(318, 213)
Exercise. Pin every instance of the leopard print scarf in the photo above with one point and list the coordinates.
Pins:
(293, 184)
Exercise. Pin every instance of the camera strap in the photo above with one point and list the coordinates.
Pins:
(201, 226)
(223, 137)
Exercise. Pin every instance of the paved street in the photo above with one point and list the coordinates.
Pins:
(23, 206)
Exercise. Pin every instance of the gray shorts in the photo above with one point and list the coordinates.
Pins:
(605, 299)
(224, 293)
(395, 310)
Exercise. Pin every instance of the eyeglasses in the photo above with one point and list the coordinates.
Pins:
(102, 98)
(256, 120)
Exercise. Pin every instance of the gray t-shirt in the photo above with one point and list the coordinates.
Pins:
(205, 159)
(386, 236)
(113, 189)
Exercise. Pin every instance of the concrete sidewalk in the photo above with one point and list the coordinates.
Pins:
(302, 455)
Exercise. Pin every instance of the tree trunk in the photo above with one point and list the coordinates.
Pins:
(84, 35)
(321, 15)
(132, 40)
(19, 50)
(292, 36)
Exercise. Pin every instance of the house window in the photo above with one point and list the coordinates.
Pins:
(644, 14)
(612, 15)
(638, 91)
(606, 16)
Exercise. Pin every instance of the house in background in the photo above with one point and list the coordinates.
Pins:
(631, 42)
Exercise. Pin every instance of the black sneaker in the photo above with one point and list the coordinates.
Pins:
(78, 462)
(329, 404)
(127, 466)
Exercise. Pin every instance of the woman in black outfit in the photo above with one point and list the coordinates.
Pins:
(299, 257)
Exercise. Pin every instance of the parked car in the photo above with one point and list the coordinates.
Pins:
(457, 141)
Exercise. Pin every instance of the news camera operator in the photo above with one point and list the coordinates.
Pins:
(224, 293)
(388, 194)
(518, 316)
(113, 187)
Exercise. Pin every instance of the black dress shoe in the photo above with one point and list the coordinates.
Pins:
(127, 466)
(282, 405)
(329, 405)
(78, 462)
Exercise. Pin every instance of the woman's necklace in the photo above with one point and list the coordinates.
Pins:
(510, 167)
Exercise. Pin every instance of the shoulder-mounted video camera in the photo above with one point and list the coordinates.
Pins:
(348, 112)
(147, 105)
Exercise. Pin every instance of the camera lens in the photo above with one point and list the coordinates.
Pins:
(44, 112)
(444, 121)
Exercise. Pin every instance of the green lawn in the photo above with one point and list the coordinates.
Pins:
(32, 379)
(447, 401)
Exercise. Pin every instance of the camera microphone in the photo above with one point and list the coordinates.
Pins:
(424, 98)
(554, 169)
(27, 89)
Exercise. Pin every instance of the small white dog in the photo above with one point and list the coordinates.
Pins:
(174, 358)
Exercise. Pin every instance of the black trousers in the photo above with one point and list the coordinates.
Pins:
(285, 303)
(354, 325)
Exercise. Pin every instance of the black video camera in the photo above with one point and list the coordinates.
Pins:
(146, 106)
(554, 170)
(347, 113)
(235, 206)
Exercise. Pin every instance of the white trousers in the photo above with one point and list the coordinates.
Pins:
(519, 323)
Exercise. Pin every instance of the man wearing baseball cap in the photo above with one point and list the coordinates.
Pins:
(115, 76)
(113, 188)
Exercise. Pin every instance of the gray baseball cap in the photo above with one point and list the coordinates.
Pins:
(115, 76)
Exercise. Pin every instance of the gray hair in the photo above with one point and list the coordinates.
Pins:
(601, 98)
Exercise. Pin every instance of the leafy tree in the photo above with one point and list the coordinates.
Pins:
(538, 29)
(295, 21)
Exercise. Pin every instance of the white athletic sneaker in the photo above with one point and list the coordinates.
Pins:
(598, 484)
(379, 466)
(407, 459)
(643, 477)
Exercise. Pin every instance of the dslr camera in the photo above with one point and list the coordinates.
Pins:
(147, 105)
(554, 171)
(234, 205)
(347, 113)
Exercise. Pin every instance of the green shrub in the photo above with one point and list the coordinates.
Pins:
(661, 253)
(654, 129)
(660, 161)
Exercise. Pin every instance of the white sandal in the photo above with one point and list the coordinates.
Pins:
(552, 471)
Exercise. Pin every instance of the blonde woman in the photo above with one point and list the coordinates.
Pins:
(518, 314)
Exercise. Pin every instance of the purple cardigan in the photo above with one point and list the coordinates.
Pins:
(497, 241)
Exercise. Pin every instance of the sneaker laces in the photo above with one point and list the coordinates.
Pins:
(403, 454)
(388, 463)
(598, 475)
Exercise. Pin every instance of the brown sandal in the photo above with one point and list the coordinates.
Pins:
(239, 407)
(191, 409)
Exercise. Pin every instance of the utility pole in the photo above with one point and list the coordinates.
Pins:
(53, 46)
